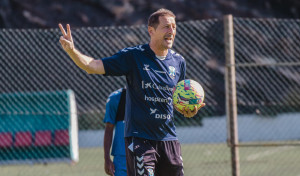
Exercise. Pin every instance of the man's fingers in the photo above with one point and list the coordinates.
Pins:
(66, 44)
(64, 41)
(190, 113)
(112, 169)
(69, 32)
(62, 30)
(187, 112)
(107, 171)
(201, 106)
(61, 39)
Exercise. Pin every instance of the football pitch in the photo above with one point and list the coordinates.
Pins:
(199, 160)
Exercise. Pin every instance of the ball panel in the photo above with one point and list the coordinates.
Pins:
(188, 93)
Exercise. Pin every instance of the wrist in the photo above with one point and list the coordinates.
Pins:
(71, 50)
(107, 157)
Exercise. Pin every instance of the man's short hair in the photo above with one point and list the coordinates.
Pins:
(153, 20)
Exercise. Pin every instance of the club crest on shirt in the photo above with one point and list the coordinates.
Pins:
(172, 72)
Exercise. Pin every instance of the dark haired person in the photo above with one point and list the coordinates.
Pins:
(151, 70)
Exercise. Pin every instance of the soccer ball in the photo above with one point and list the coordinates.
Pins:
(188, 93)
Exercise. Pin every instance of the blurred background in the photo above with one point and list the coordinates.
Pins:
(48, 106)
(95, 13)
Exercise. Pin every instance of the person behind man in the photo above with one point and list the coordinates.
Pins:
(114, 119)
(152, 71)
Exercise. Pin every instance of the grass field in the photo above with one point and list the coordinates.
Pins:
(199, 160)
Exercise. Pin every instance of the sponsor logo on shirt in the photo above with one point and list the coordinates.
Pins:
(159, 100)
(159, 116)
(155, 86)
(162, 116)
(152, 111)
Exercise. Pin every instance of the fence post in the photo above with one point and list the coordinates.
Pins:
(231, 104)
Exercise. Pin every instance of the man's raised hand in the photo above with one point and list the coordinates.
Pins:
(66, 40)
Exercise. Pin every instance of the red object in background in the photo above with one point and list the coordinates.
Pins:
(42, 138)
(61, 137)
(6, 139)
(23, 139)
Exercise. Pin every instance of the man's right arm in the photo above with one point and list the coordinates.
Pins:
(89, 64)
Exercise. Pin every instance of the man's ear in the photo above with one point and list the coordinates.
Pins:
(151, 30)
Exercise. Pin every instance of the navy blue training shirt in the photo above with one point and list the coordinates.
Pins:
(150, 81)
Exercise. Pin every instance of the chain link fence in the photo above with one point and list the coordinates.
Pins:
(267, 53)
(267, 71)
(33, 61)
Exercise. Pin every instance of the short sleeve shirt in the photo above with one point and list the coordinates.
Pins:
(150, 82)
(112, 104)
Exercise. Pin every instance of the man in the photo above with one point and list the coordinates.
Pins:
(151, 70)
(114, 119)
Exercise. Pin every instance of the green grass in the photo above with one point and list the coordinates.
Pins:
(199, 160)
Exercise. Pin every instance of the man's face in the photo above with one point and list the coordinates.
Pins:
(163, 36)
